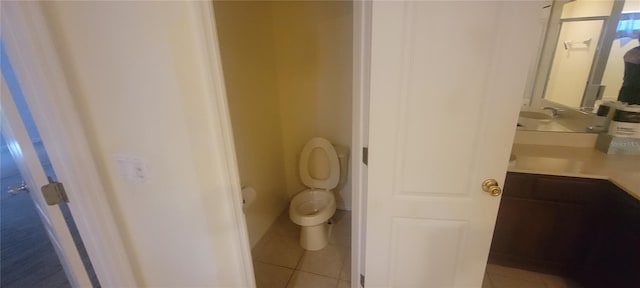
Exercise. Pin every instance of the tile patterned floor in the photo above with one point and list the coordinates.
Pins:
(280, 262)
(506, 277)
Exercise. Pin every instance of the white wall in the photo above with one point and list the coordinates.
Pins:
(246, 43)
(139, 74)
(313, 41)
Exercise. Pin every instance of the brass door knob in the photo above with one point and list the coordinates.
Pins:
(491, 186)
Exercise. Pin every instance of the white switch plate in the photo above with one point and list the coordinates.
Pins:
(131, 168)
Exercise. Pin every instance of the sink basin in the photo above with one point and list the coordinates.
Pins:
(539, 121)
(552, 126)
(550, 164)
(540, 116)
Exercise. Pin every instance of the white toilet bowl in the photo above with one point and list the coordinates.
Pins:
(312, 209)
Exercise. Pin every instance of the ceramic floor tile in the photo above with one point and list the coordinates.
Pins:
(308, 280)
(486, 282)
(271, 276)
(553, 281)
(327, 262)
(344, 284)
(345, 274)
(284, 227)
(260, 248)
(513, 272)
(280, 251)
(500, 281)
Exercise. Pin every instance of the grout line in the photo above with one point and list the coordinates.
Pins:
(293, 272)
(304, 253)
(325, 276)
(272, 264)
(314, 273)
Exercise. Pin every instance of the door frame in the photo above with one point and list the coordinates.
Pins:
(360, 135)
(32, 172)
(28, 43)
(211, 47)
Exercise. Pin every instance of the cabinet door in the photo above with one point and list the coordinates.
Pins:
(539, 235)
(614, 259)
(544, 223)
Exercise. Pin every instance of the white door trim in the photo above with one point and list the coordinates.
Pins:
(231, 178)
(360, 134)
(35, 60)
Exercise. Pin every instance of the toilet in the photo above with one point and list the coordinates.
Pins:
(320, 170)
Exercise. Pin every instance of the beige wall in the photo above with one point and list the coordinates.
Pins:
(139, 74)
(247, 48)
(570, 71)
(313, 43)
(587, 8)
(288, 73)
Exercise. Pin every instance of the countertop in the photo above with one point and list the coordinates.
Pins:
(584, 162)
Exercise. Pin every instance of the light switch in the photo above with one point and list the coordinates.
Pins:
(131, 168)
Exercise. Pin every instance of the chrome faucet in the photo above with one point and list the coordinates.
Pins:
(555, 112)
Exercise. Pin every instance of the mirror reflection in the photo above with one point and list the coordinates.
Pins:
(589, 54)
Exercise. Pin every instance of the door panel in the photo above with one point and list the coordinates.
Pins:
(447, 79)
(26, 158)
(409, 236)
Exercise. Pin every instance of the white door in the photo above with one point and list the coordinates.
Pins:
(447, 79)
(26, 158)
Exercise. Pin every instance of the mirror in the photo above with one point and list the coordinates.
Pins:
(580, 61)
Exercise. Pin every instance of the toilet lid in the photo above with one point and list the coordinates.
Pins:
(306, 175)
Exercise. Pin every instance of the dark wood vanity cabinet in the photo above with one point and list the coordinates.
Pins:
(585, 229)
(543, 222)
(613, 258)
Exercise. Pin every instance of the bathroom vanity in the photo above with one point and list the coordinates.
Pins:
(543, 222)
(571, 211)
(568, 209)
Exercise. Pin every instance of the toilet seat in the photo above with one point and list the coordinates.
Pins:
(312, 207)
(334, 165)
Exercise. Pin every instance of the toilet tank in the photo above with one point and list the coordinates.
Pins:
(343, 157)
